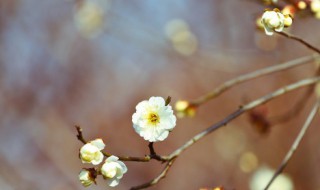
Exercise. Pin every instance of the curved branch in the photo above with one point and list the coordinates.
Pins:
(295, 144)
(249, 76)
(299, 40)
(147, 158)
(298, 107)
(243, 109)
(295, 110)
(171, 158)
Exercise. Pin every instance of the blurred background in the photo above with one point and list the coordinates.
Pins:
(68, 62)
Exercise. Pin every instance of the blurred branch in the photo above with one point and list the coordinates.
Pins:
(296, 110)
(246, 77)
(295, 144)
(158, 178)
(170, 159)
(298, 107)
(243, 109)
(299, 40)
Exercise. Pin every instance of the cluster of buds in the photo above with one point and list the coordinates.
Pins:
(275, 21)
(112, 170)
(153, 120)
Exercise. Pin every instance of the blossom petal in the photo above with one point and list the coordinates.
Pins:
(157, 101)
(113, 170)
(112, 158)
(163, 135)
(98, 158)
(98, 143)
(123, 166)
(113, 182)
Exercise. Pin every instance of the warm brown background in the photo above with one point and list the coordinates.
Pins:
(52, 77)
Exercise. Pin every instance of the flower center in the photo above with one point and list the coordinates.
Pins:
(153, 118)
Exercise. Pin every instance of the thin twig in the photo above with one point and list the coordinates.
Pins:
(298, 107)
(147, 158)
(295, 110)
(295, 144)
(168, 100)
(171, 158)
(158, 178)
(249, 76)
(243, 109)
(79, 135)
(299, 40)
(152, 151)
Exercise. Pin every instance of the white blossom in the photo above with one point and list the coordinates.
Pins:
(85, 177)
(272, 21)
(113, 170)
(91, 152)
(153, 120)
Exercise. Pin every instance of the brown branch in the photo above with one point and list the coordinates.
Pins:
(299, 40)
(249, 76)
(243, 109)
(79, 135)
(152, 151)
(147, 158)
(224, 122)
(153, 154)
(298, 107)
(296, 110)
(158, 178)
(295, 145)
(171, 158)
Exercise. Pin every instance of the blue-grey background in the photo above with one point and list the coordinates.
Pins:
(53, 76)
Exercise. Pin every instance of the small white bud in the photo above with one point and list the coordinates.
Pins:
(272, 21)
(113, 170)
(86, 177)
(91, 152)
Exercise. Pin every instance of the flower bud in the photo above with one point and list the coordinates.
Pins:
(91, 152)
(87, 177)
(287, 20)
(302, 5)
(113, 170)
(272, 21)
(184, 109)
(289, 10)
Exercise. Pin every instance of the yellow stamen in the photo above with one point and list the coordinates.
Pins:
(153, 118)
